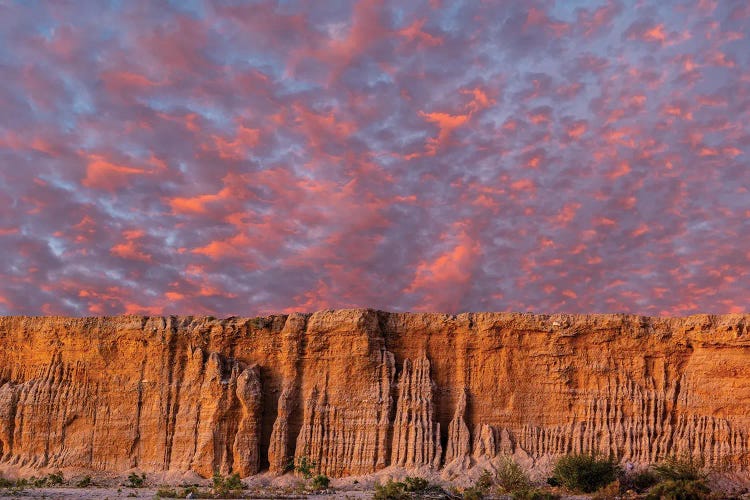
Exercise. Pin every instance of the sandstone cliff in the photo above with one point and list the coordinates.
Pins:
(359, 390)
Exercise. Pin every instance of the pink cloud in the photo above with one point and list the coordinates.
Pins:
(408, 156)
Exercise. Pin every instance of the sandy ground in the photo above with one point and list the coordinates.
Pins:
(265, 485)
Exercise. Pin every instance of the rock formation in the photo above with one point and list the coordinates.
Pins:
(457, 453)
(416, 437)
(356, 391)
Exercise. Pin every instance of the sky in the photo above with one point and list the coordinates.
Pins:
(243, 158)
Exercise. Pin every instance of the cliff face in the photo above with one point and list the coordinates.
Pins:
(359, 390)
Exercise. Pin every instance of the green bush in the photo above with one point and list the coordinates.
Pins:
(511, 477)
(136, 481)
(305, 466)
(289, 465)
(678, 469)
(391, 490)
(85, 482)
(6, 483)
(473, 493)
(56, 478)
(585, 473)
(680, 490)
(612, 490)
(415, 483)
(485, 481)
(224, 486)
(168, 493)
(534, 494)
(194, 491)
(321, 482)
(38, 482)
(234, 482)
(640, 481)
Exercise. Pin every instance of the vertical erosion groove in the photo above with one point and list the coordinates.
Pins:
(287, 423)
(172, 390)
(137, 427)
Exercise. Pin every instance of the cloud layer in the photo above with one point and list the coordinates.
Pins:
(252, 157)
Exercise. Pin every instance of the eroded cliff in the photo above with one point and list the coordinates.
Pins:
(359, 390)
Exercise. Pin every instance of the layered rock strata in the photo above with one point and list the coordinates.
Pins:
(355, 391)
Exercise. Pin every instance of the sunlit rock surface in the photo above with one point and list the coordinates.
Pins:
(359, 390)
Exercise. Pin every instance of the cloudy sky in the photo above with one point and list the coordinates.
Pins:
(252, 157)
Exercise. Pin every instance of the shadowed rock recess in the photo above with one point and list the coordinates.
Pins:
(360, 390)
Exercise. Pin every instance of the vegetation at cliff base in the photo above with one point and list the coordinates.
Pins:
(679, 469)
(390, 490)
(510, 476)
(305, 466)
(584, 472)
(410, 487)
(224, 486)
(534, 494)
(136, 481)
(320, 482)
(679, 490)
(84, 482)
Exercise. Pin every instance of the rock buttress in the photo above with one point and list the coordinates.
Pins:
(416, 436)
(347, 403)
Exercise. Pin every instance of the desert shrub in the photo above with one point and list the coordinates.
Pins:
(678, 469)
(473, 493)
(534, 494)
(136, 481)
(612, 490)
(415, 483)
(168, 493)
(187, 490)
(224, 486)
(510, 476)
(305, 466)
(640, 481)
(320, 482)
(391, 490)
(38, 482)
(56, 478)
(586, 473)
(234, 482)
(18, 484)
(85, 482)
(680, 490)
(485, 481)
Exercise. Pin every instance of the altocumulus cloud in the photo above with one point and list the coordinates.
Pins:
(253, 157)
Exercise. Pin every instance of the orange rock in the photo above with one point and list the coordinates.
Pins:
(359, 390)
